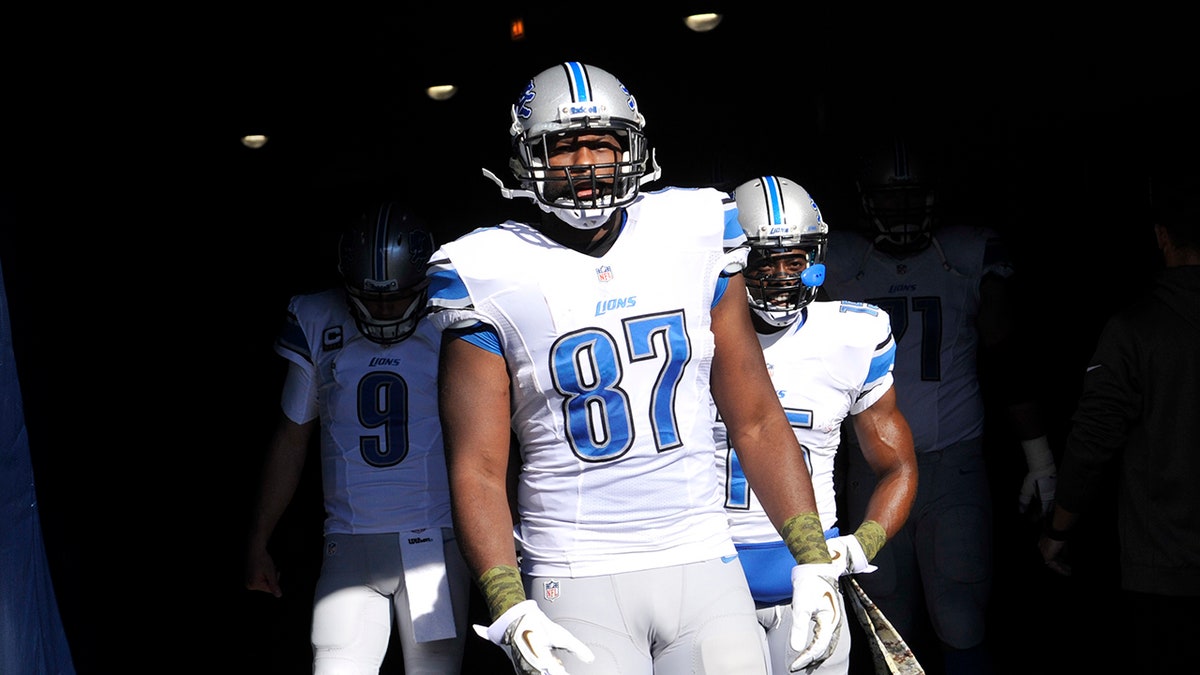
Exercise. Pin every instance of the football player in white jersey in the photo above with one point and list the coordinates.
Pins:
(362, 370)
(829, 361)
(596, 335)
(945, 289)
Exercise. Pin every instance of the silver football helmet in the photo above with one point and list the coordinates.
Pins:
(896, 188)
(382, 259)
(788, 241)
(573, 98)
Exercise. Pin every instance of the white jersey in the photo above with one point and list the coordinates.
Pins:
(933, 300)
(833, 362)
(609, 359)
(383, 468)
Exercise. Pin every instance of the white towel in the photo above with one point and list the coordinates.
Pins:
(428, 588)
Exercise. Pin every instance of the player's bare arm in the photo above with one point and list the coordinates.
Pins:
(281, 472)
(473, 395)
(758, 427)
(774, 465)
(887, 446)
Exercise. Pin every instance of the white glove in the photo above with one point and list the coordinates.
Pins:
(1040, 483)
(816, 613)
(847, 552)
(529, 637)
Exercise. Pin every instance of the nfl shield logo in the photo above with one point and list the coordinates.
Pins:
(604, 273)
(902, 269)
(550, 590)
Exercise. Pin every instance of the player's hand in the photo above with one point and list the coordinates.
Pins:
(261, 574)
(848, 553)
(1037, 491)
(817, 613)
(1054, 554)
(529, 637)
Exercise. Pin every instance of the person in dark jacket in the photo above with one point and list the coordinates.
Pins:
(1138, 415)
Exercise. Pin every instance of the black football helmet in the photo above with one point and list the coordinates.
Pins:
(382, 259)
(896, 186)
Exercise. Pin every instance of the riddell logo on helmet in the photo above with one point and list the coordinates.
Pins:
(592, 109)
(385, 285)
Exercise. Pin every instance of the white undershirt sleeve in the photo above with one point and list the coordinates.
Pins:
(299, 398)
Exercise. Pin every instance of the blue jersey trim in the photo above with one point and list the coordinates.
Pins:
(481, 335)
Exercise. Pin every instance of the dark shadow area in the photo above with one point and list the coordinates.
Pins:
(148, 257)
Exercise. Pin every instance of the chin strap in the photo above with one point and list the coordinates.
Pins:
(654, 174)
(582, 219)
(509, 193)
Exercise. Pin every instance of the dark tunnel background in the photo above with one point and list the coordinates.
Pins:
(148, 256)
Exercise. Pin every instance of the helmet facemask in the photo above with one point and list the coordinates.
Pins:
(583, 195)
(782, 280)
(396, 313)
(902, 216)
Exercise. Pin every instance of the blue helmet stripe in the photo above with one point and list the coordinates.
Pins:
(901, 161)
(774, 199)
(577, 77)
(379, 250)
